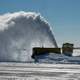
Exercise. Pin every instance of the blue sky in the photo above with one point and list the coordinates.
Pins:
(63, 15)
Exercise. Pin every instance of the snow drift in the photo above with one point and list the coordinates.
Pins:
(19, 32)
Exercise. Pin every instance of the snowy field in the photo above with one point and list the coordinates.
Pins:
(35, 71)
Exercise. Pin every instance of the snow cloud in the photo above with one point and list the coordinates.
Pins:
(20, 31)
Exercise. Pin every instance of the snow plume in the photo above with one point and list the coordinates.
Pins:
(19, 32)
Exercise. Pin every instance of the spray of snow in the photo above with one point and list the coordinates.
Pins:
(76, 52)
(19, 32)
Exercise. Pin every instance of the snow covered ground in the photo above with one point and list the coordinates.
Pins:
(36, 71)
(58, 59)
